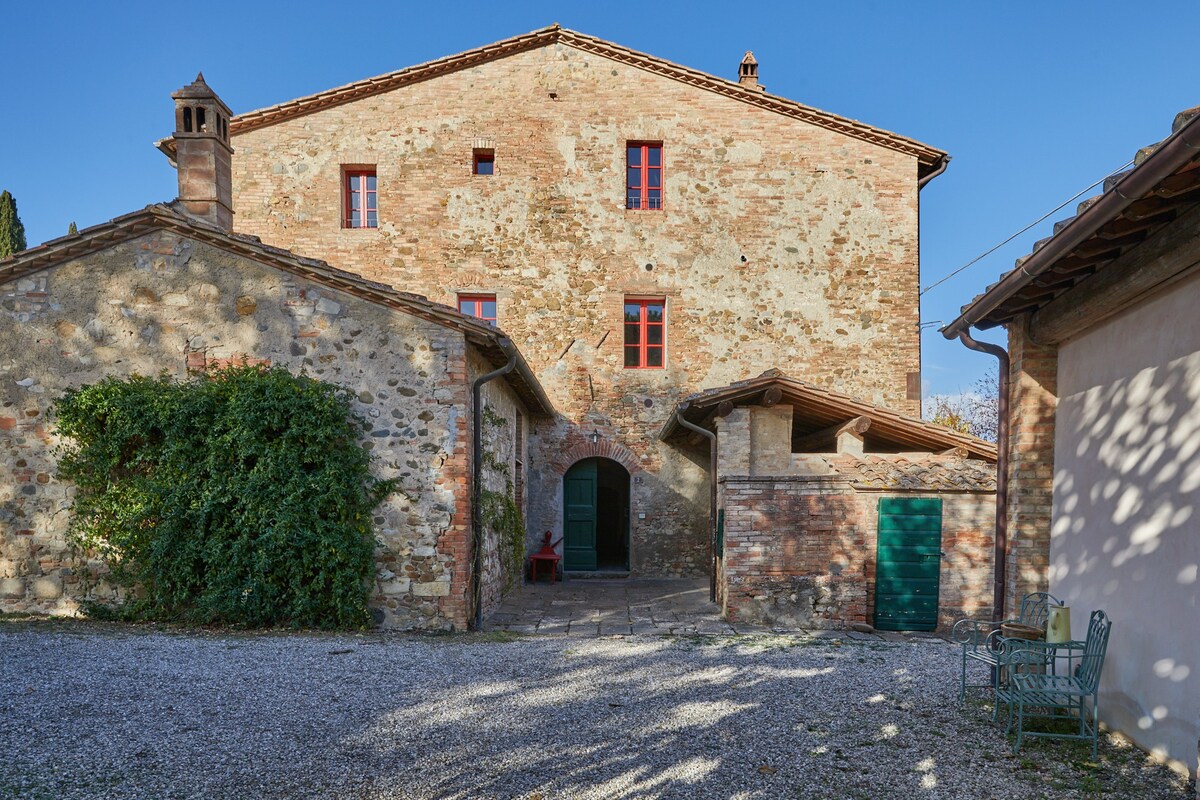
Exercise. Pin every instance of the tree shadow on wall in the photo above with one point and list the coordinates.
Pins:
(1124, 539)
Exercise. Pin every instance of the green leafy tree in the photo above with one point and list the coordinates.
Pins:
(12, 232)
(72, 229)
(951, 413)
(975, 412)
(239, 496)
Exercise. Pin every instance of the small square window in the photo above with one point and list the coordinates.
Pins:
(479, 305)
(484, 162)
(645, 332)
(361, 199)
(644, 175)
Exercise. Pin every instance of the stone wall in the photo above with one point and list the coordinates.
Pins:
(502, 472)
(781, 244)
(795, 553)
(162, 303)
(800, 551)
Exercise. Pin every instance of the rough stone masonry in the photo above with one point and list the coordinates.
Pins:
(164, 302)
(781, 243)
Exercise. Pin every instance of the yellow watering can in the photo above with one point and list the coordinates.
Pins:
(1058, 624)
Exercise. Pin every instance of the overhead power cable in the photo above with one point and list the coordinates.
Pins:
(1036, 222)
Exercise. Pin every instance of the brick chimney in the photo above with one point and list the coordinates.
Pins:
(748, 72)
(203, 156)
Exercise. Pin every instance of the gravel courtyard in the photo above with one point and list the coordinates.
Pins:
(91, 711)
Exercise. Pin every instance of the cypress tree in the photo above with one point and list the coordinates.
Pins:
(72, 229)
(12, 232)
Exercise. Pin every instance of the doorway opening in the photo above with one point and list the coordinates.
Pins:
(596, 516)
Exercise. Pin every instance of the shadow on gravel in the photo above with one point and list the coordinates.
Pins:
(482, 717)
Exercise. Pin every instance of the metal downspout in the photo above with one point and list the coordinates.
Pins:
(1001, 468)
(477, 478)
(712, 502)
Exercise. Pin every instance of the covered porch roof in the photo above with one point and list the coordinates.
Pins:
(1116, 245)
(816, 411)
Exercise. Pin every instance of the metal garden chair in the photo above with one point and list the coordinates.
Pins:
(981, 640)
(1034, 692)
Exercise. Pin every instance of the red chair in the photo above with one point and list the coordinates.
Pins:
(545, 555)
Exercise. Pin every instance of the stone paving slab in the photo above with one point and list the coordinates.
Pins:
(641, 607)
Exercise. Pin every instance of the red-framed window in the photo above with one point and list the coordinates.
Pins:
(479, 305)
(644, 175)
(645, 333)
(483, 162)
(361, 199)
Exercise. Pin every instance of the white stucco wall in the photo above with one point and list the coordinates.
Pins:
(1126, 532)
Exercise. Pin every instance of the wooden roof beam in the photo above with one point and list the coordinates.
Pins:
(1122, 227)
(1165, 257)
(834, 434)
(1178, 184)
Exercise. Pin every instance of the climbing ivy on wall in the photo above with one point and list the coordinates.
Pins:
(500, 512)
(239, 496)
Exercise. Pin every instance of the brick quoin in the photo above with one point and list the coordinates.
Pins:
(456, 542)
(1033, 377)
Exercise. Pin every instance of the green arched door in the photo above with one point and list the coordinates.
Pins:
(579, 516)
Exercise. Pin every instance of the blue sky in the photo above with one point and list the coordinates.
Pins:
(1034, 100)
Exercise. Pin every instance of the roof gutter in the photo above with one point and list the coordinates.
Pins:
(526, 374)
(1176, 150)
(938, 168)
(477, 335)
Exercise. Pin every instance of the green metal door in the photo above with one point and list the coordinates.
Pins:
(579, 516)
(908, 563)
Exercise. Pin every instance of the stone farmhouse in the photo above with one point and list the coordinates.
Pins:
(696, 304)
(1103, 440)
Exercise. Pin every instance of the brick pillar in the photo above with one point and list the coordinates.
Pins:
(1033, 394)
(733, 437)
(770, 440)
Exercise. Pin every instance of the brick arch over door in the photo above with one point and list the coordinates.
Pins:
(601, 449)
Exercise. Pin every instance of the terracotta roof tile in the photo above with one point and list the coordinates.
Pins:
(828, 407)
(931, 473)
